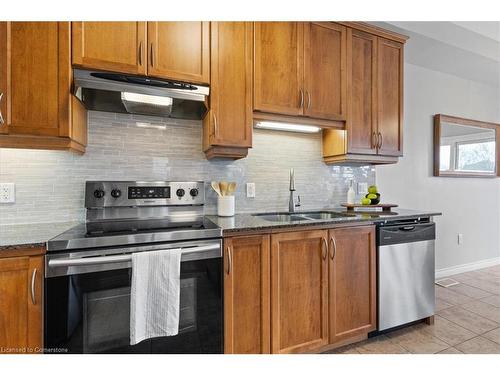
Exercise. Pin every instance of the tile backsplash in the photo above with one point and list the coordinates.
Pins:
(50, 184)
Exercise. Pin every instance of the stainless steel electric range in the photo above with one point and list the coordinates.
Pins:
(88, 269)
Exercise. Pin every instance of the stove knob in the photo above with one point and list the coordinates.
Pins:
(116, 193)
(180, 193)
(99, 193)
(193, 192)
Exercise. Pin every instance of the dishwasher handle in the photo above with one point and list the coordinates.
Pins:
(390, 235)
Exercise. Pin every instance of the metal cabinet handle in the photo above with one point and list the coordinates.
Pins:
(152, 56)
(140, 53)
(334, 247)
(324, 251)
(374, 140)
(229, 260)
(381, 139)
(215, 123)
(308, 99)
(33, 282)
(301, 98)
(1, 116)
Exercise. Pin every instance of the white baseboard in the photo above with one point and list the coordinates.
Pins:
(444, 272)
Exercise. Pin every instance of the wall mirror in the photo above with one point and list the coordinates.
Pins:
(465, 148)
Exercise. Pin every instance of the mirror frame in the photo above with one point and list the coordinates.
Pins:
(438, 119)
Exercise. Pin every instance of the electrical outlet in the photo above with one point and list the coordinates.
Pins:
(362, 187)
(250, 190)
(460, 238)
(7, 193)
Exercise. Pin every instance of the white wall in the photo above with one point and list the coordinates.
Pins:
(469, 205)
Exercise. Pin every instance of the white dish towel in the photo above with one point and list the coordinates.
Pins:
(155, 294)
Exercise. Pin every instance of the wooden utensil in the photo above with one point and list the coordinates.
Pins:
(216, 187)
(231, 188)
(223, 185)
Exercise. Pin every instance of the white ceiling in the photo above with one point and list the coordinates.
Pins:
(488, 29)
(470, 50)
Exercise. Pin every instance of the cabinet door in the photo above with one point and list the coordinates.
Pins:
(246, 295)
(299, 291)
(114, 46)
(325, 70)
(179, 51)
(3, 78)
(352, 285)
(21, 303)
(37, 94)
(278, 67)
(231, 84)
(361, 122)
(390, 97)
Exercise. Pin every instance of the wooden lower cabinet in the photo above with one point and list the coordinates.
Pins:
(299, 280)
(299, 291)
(246, 295)
(21, 286)
(352, 282)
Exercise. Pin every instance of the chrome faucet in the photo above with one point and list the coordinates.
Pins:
(291, 202)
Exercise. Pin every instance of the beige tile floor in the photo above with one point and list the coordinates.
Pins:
(467, 321)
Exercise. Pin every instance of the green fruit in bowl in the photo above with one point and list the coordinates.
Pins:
(372, 189)
(366, 201)
(374, 198)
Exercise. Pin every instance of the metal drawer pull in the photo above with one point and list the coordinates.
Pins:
(324, 251)
(33, 281)
(1, 116)
(229, 260)
(116, 258)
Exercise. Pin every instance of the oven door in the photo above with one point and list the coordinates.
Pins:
(87, 301)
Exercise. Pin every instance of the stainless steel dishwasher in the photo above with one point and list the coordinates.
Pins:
(405, 271)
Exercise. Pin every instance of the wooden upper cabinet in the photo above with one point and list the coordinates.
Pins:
(325, 82)
(21, 286)
(390, 97)
(299, 291)
(114, 46)
(38, 109)
(33, 94)
(179, 51)
(246, 295)
(278, 67)
(361, 124)
(228, 125)
(352, 285)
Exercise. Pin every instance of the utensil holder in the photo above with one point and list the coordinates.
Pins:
(225, 205)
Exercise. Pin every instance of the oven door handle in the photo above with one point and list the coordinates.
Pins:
(106, 259)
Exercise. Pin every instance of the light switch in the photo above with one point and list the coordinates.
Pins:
(362, 187)
(250, 190)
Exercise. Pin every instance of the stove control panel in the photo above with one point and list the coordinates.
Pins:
(101, 194)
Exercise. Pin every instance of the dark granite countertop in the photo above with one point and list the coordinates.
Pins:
(23, 236)
(249, 222)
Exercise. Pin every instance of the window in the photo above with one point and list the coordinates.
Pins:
(444, 157)
(476, 156)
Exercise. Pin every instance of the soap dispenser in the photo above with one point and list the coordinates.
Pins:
(351, 195)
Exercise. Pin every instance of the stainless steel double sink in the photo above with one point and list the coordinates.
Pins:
(285, 217)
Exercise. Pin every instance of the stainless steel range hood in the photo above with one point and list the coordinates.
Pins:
(121, 93)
